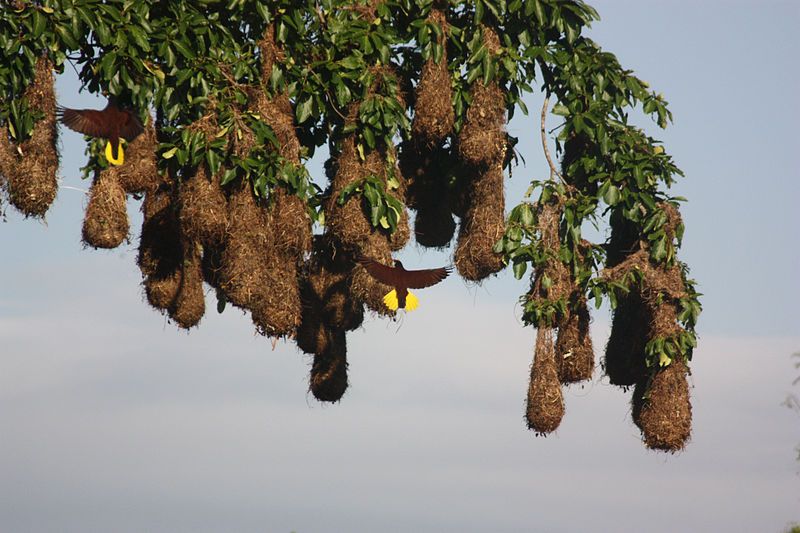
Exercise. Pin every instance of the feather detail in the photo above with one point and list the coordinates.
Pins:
(411, 302)
(120, 159)
(391, 300)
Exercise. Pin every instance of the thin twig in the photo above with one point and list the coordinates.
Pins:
(553, 169)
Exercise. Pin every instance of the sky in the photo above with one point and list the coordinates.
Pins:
(111, 419)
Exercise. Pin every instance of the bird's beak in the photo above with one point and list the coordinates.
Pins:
(116, 161)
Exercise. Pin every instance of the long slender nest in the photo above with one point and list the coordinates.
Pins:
(662, 410)
(30, 168)
(428, 192)
(160, 257)
(545, 404)
(202, 208)
(328, 379)
(189, 303)
(625, 361)
(325, 286)
(140, 171)
(482, 141)
(105, 224)
(482, 226)
(574, 344)
(433, 109)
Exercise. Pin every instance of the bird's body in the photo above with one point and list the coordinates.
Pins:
(112, 123)
(402, 280)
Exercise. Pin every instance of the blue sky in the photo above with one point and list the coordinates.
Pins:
(112, 420)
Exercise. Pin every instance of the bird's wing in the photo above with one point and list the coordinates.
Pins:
(412, 279)
(87, 121)
(382, 273)
(419, 279)
(132, 126)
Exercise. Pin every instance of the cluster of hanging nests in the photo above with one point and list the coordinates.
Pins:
(260, 255)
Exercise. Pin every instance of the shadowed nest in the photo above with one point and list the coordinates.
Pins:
(328, 379)
(30, 168)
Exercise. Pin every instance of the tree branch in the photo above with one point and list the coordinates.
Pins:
(553, 170)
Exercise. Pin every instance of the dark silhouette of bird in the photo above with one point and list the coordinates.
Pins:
(112, 123)
(402, 280)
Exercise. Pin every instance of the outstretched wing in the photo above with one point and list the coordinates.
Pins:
(419, 279)
(131, 127)
(87, 121)
(412, 279)
(382, 273)
(109, 123)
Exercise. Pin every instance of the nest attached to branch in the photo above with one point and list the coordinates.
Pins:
(160, 257)
(105, 224)
(545, 403)
(202, 208)
(574, 343)
(140, 171)
(30, 168)
(328, 377)
(482, 225)
(189, 303)
(662, 409)
(433, 109)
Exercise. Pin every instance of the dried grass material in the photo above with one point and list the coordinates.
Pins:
(482, 141)
(664, 412)
(482, 226)
(277, 112)
(247, 246)
(433, 111)
(278, 311)
(106, 222)
(574, 345)
(212, 265)
(270, 52)
(325, 286)
(160, 251)
(328, 379)
(140, 171)
(545, 407)
(162, 289)
(624, 361)
(314, 336)
(30, 168)
(290, 224)
(428, 192)
(159, 245)
(190, 302)
(202, 209)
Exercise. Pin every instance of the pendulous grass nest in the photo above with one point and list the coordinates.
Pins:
(105, 224)
(662, 410)
(30, 167)
(545, 404)
(328, 377)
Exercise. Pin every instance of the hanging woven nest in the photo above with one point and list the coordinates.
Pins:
(105, 224)
(545, 404)
(202, 208)
(189, 303)
(30, 167)
(662, 410)
(140, 171)
(328, 379)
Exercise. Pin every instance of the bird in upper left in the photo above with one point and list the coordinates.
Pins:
(112, 123)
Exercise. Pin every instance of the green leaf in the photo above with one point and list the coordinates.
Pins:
(303, 110)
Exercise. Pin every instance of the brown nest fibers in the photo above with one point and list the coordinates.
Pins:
(189, 302)
(433, 109)
(106, 222)
(545, 404)
(30, 168)
(202, 208)
(662, 410)
(574, 344)
(160, 250)
(328, 379)
(140, 171)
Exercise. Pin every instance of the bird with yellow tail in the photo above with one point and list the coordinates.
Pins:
(402, 280)
(112, 123)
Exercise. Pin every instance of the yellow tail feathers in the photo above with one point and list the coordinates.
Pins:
(110, 155)
(411, 302)
(391, 300)
(393, 304)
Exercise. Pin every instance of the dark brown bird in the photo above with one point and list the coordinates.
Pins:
(402, 280)
(112, 123)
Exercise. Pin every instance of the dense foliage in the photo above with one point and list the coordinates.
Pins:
(351, 74)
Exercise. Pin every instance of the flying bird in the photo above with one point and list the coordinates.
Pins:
(112, 123)
(402, 280)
